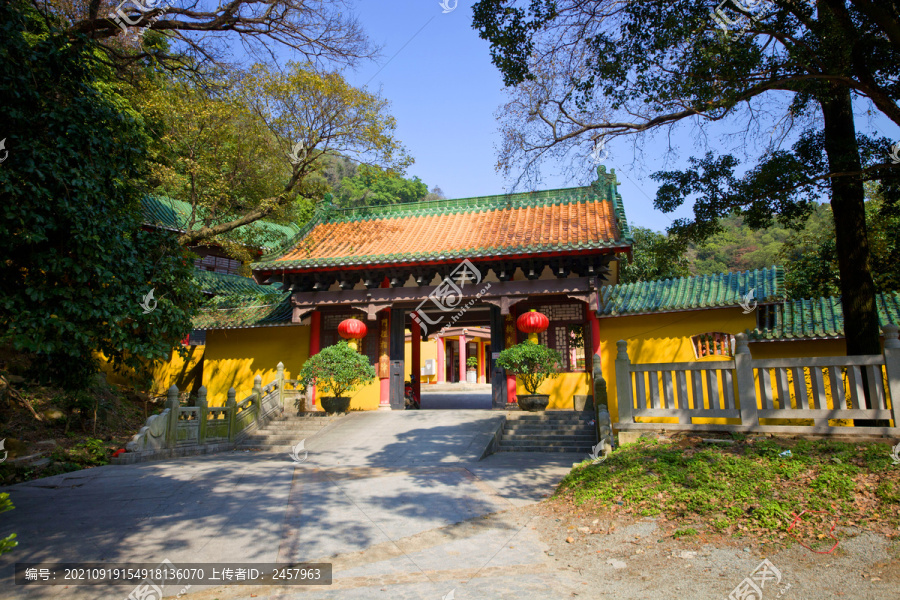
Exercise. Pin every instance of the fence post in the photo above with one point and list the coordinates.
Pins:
(280, 378)
(743, 369)
(258, 393)
(623, 383)
(202, 414)
(892, 368)
(231, 405)
(174, 407)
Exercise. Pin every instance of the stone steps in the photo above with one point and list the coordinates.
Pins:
(283, 433)
(554, 431)
(586, 450)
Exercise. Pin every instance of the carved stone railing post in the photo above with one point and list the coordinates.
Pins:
(892, 368)
(624, 395)
(601, 407)
(231, 405)
(258, 393)
(202, 414)
(746, 392)
(280, 379)
(174, 407)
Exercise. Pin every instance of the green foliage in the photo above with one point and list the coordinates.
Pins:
(533, 363)
(472, 362)
(374, 187)
(687, 531)
(655, 256)
(75, 263)
(811, 261)
(9, 542)
(91, 452)
(337, 370)
(747, 484)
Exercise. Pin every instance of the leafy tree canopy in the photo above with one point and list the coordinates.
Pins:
(589, 72)
(251, 148)
(654, 256)
(75, 264)
(373, 187)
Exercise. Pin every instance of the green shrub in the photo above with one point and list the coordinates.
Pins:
(532, 362)
(9, 542)
(337, 370)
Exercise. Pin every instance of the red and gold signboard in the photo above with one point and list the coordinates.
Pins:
(384, 358)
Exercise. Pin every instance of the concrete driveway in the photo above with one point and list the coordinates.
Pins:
(399, 502)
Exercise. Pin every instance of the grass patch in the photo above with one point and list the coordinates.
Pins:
(686, 532)
(745, 487)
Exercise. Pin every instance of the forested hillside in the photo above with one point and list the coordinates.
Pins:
(809, 256)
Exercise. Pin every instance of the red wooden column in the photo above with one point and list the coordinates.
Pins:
(594, 323)
(510, 342)
(481, 361)
(462, 358)
(416, 375)
(441, 361)
(315, 341)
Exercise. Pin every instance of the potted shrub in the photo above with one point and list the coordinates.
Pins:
(533, 363)
(471, 364)
(336, 371)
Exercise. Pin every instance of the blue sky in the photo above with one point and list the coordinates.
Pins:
(444, 92)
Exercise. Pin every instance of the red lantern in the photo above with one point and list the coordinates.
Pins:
(352, 329)
(532, 322)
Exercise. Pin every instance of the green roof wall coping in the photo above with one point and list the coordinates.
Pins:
(689, 293)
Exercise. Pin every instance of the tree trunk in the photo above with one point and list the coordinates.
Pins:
(851, 236)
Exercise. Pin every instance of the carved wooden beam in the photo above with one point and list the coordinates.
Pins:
(300, 312)
(371, 310)
(504, 303)
(413, 295)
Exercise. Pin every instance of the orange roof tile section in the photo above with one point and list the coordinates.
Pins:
(515, 228)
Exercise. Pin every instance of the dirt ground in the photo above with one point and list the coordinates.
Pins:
(639, 558)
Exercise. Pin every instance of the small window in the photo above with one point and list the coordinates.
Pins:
(713, 344)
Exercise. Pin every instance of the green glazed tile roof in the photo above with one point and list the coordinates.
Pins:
(249, 314)
(222, 284)
(690, 293)
(819, 318)
(175, 215)
(552, 221)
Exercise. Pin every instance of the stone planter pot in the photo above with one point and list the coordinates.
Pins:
(533, 403)
(331, 404)
(471, 377)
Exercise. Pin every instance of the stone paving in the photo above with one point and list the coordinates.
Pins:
(399, 502)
